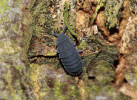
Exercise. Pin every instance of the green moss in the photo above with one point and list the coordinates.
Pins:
(58, 91)
(49, 53)
(3, 96)
(66, 14)
(8, 77)
(100, 4)
(136, 76)
(97, 89)
(40, 18)
(102, 69)
(4, 6)
(74, 92)
(9, 47)
(110, 90)
(83, 45)
(18, 93)
(128, 75)
(40, 5)
(44, 91)
(135, 85)
(34, 72)
(87, 90)
(111, 49)
(19, 67)
(113, 13)
(14, 88)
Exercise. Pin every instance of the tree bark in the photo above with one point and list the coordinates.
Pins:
(29, 69)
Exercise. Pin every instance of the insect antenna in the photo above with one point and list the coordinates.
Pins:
(65, 29)
(55, 34)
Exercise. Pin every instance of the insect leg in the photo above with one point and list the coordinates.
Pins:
(55, 34)
(65, 29)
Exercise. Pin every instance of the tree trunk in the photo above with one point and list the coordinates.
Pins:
(29, 69)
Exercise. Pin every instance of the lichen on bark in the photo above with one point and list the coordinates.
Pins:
(14, 45)
(27, 25)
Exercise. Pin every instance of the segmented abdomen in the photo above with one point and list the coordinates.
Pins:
(69, 56)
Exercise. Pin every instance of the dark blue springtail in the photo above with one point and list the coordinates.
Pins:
(68, 54)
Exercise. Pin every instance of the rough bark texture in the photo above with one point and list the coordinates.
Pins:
(29, 69)
(15, 38)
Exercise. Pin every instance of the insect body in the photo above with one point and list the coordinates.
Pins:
(68, 54)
